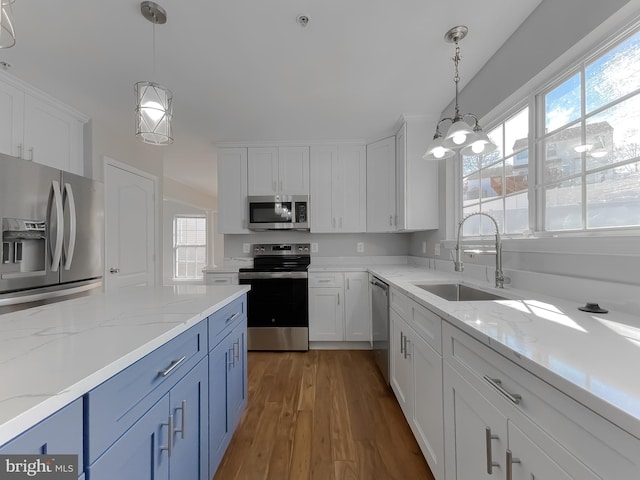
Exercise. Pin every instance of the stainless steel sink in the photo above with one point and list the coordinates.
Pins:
(456, 292)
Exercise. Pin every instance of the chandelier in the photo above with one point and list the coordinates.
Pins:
(461, 136)
(7, 32)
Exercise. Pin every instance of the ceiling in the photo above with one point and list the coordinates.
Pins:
(245, 70)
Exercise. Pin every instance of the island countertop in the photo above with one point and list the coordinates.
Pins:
(54, 354)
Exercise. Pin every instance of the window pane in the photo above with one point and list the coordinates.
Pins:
(517, 213)
(470, 165)
(491, 184)
(614, 134)
(496, 135)
(471, 189)
(560, 156)
(564, 206)
(613, 197)
(495, 208)
(516, 133)
(517, 173)
(614, 75)
(562, 104)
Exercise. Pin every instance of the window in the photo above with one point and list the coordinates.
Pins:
(587, 154)
(589, 146)
(497, 183)
(189, 246)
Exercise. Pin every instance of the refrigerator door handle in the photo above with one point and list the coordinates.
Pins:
(57, 249)
(73, 228)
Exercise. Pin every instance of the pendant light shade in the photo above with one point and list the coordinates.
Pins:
(469, 138)
(154, 103)
(7, 31)
(154, 110)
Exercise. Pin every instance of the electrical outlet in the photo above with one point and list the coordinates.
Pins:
(436, 249)
(360, 247)
(424, 247)
(314, 248)
(246, 248)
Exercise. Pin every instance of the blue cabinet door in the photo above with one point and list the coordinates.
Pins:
(236, 380)
(190, 408)
(140, 454)
(61, 433)
(220, 362)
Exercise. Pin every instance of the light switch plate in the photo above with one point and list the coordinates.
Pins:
(314, 248)
(360, 247)
(246, 248)
(436, 249)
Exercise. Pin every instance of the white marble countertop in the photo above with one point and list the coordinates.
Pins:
(52, 355)
(593, 358)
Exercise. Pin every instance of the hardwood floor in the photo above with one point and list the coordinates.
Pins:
(322, 415)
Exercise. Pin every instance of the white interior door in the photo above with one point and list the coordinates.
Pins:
(130, 226)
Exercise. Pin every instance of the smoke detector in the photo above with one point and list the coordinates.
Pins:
(303, 20)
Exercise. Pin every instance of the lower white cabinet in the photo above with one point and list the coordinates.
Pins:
(503, 422)
(339, 307)
(215, 278)
(416, 375)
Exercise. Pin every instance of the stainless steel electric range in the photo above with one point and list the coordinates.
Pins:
(278, 303)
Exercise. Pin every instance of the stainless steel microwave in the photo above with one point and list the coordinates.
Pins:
(279, 212)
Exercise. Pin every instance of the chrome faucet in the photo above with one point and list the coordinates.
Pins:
(459, 266)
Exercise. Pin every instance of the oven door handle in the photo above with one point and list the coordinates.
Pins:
(270, 275)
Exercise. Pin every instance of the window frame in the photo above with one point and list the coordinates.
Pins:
(175, 247)
(534, 99)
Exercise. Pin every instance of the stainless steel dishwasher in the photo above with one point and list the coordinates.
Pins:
(380, 323)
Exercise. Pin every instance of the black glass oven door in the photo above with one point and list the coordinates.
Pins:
(277, 302)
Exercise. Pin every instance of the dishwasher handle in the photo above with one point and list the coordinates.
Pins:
(383, 286)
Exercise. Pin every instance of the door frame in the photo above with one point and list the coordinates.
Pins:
(157, 241)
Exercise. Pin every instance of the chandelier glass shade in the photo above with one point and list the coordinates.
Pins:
(7, 30)
(154, 103)
(468, 138)
(154, 110)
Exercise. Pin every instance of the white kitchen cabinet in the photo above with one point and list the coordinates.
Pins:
(39, 128)
(381, 186)
(220, 278)
(339, 307)
(338, 188)
(416, 375)
(232, 190)
(495, 411)
(416, 179)
(278, 170)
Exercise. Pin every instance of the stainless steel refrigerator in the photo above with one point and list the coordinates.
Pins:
(52, 234)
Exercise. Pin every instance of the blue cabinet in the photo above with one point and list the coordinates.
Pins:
(227, 377)
(169, 442)
(61, 433)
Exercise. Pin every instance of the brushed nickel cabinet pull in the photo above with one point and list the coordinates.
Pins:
(510, 461)
(183, 417)
(169, 446)
(490, 462)
(172, 367)
(497, 384)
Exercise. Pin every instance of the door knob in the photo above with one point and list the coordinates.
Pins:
(113, 270)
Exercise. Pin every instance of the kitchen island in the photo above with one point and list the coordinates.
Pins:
(54, 355)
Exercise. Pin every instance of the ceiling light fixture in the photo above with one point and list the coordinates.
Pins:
(154, 103)
(7, 32)
(461, 135)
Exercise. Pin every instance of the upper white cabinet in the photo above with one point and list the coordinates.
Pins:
(232, 190)
(278, 170)
(338, 188)
(416, 179)
(381, 186)
(39, 128)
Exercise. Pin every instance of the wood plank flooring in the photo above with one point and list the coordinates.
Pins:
(321, 415)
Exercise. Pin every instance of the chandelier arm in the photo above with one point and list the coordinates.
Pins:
(438, 133)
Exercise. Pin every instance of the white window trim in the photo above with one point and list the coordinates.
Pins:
(200, 278)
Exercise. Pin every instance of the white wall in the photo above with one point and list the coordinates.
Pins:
(555, 34)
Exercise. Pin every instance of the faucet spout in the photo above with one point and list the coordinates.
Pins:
(459, 264)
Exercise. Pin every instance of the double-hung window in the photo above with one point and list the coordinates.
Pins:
(585, 174)
(189, 246)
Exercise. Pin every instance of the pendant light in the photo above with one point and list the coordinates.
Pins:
(154, 103)
(7, 32)
(460, 135)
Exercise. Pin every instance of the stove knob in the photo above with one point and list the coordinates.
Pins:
(262, 249)
(306, 249)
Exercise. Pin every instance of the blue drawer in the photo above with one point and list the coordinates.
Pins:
(225, 319)
(114, 406)
(61, 433)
